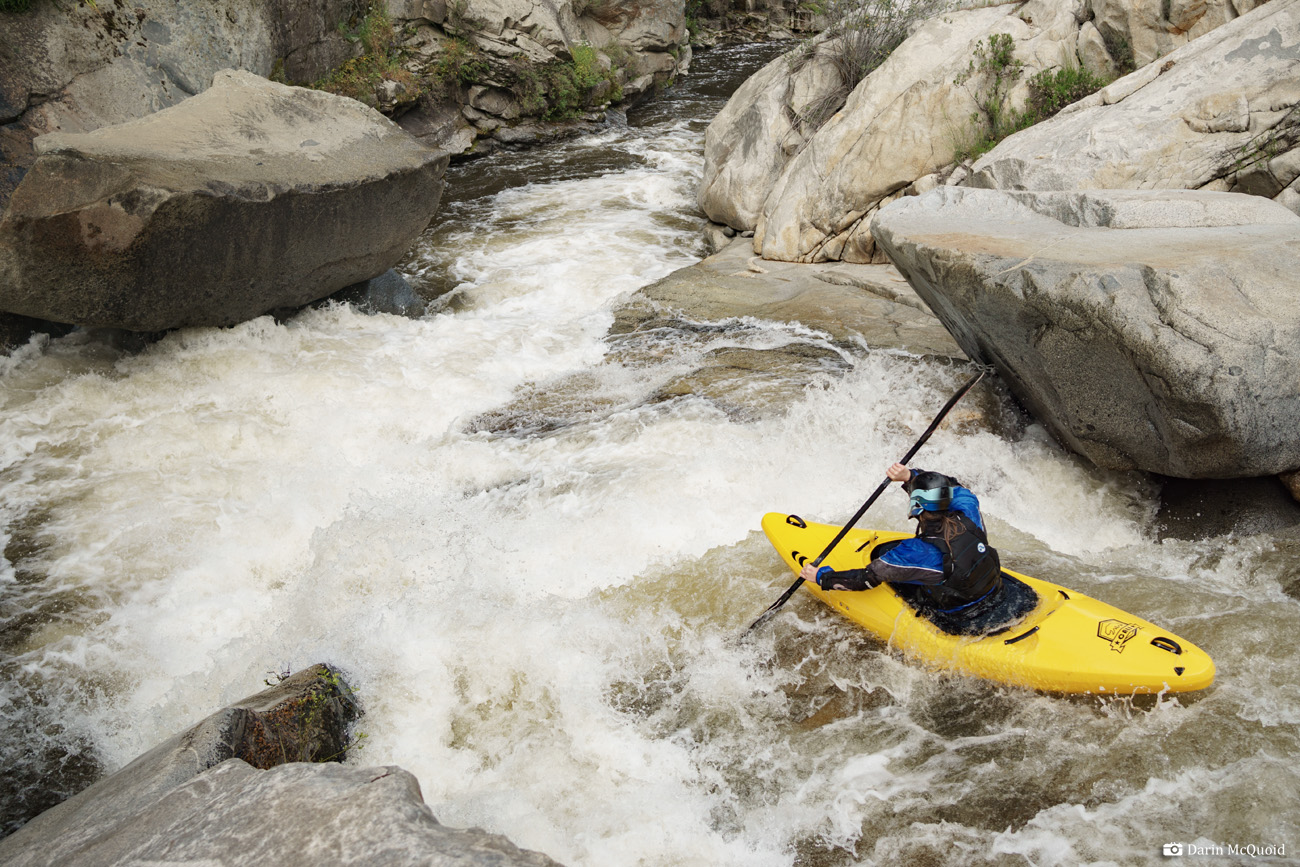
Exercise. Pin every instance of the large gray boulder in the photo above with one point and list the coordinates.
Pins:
(76, 67)
(291, 815)
(249, 197)
(1147, 330)
(902, 122)
(257, 783)
(1220, 113)
(494, 66)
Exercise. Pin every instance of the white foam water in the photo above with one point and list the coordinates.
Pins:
(540, 616)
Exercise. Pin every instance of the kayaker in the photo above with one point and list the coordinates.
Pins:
(949, 570)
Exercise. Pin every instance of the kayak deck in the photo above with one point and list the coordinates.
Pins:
(1067, 643)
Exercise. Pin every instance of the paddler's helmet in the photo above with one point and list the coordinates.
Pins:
(930, 492)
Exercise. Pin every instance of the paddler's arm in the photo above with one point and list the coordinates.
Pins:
(852, 579)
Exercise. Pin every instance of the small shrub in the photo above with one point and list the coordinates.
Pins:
(461, 62)
(15, 5)
(1052, 90)
(995, 70)
(1120, 52)
(561, 90)
(858, 38)
(381, 61)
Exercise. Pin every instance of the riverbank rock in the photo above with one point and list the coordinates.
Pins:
(505, 73)
(258, 783)
(77, 67)
(294, 814)
(303, 718)
(1140, 31)
(1147, 330)
(1220, 113)
(750, 142)
(249, 197)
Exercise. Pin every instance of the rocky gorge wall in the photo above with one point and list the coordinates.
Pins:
(1075, 297)
(67, 67)
(807, 194)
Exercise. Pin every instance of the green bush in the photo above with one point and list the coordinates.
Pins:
(359, 77)
(994, 70)
(15, 5)
(562, 89)
(461, 62)
(1052, 90)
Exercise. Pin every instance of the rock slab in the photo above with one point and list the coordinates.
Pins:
(1152, 330)
(248, 197)
(203, 798)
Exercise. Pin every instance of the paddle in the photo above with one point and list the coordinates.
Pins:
(772, 609)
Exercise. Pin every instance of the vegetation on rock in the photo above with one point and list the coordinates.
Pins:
(993, 73)
(859, 36)
(381, 61)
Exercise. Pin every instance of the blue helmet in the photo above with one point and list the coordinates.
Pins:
(930, 492)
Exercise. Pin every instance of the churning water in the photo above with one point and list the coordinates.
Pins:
(532, 562)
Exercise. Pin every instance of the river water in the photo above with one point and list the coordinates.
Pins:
(532, 560)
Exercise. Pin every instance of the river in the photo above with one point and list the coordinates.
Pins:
(532, 561)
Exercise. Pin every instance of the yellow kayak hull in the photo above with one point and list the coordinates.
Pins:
(1069, 643)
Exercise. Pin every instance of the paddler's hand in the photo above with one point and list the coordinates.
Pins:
(898, 473)
(809, 572)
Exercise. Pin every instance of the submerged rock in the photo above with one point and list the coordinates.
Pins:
(1147, 330)
(249, 197)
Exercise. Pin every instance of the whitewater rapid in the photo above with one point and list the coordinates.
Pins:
(533, 567)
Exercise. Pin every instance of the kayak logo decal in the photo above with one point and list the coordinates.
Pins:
(1117, 632)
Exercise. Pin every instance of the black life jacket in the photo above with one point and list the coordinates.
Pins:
(971, 568)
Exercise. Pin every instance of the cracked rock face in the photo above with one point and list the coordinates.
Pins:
(145, 225)
(1221, 113)
(1152, 330)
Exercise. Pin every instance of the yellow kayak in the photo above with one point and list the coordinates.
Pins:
(1067, 643)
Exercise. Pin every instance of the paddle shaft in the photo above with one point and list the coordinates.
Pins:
(952, 401)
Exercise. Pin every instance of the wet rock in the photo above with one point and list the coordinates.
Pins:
(249, 197)
(870, 303)
(1141, 327)
(1292, 483)
(853, 304)
(304, 718)
(15, 331)
(387, 293)
(1203, 508)
(1222, 112)
(239, 789)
